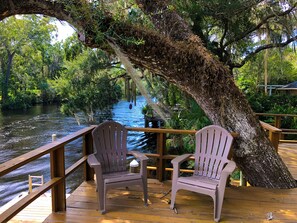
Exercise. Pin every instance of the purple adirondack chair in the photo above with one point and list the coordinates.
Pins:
(110, 164)
(211, 169)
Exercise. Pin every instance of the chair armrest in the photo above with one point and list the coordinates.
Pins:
(92, 161)
(227, 170)
(138, 155)
(179, 159)
(176, 166)
(143, 161)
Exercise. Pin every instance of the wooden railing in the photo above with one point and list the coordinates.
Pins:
(57, 169)
(277, 122)
(274, 134)
(161, 154)
(59, 173)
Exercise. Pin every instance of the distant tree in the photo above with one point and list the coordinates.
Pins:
(22, 38)
(87, 85)
(281, 70)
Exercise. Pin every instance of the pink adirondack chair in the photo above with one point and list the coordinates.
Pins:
(110, 164)
(211, 169)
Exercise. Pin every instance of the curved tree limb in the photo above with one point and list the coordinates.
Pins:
(261, 48)
(260, 24)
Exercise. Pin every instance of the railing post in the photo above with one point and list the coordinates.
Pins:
(87, 150)
(57, 160)
(242, 180)
(274, 137)
(161, 150)
(277, 121)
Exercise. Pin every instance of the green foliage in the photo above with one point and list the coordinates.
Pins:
(276, 104)
(46, 71)
(187, 116)
(281, 70)
(19, 101)
(184, 113)
(89, 95)
(26, 44)
(233, 30)
(124, 10)
(72, 47)
(86, 85)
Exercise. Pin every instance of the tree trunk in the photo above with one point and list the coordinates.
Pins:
(7, 73)
(181, 58)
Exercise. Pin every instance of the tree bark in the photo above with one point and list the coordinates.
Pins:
(6, 78)
(181, 58)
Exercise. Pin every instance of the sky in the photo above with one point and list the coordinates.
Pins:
(64, 30)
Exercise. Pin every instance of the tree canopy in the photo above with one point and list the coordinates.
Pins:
(29, 38)
(237, 30)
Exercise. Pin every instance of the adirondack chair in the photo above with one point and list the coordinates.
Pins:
(211, 168)
(110, 164)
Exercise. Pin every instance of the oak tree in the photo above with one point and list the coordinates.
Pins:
(168, 47)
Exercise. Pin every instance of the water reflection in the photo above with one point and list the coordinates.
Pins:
(21, 132)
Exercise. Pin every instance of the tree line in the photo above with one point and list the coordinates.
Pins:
(37, 68)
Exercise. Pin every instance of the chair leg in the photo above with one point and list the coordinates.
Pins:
(145, 196)
(218, 204)
(101, 199)
(173, 196)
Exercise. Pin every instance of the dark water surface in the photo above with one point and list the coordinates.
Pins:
(21, 132)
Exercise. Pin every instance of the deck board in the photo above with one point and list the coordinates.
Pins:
(241, 204)
(288, 152)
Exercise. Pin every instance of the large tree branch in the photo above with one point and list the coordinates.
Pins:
(261, 48)
(261, 23)
(14, 7)
(167, 20)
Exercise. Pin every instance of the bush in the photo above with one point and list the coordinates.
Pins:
(276, 104)
(19, 101)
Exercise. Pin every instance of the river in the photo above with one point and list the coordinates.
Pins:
(21, 132)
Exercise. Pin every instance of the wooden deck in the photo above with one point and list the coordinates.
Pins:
(241, 204)
(288, 152)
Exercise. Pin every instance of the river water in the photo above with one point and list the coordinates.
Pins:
(21, 132)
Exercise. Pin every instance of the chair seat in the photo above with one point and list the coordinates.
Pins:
(199, 181)
(116, 177)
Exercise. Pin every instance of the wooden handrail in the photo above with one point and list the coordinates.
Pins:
(17, 207)
(278, 122)
(58, 172)
(269, 127)
(169, 131)
(274, 134)
(41, 151)
(161, 154)
(161, 130)
(276, 115)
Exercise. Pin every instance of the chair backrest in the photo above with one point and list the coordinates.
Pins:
(213, 144)
(110, 144)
